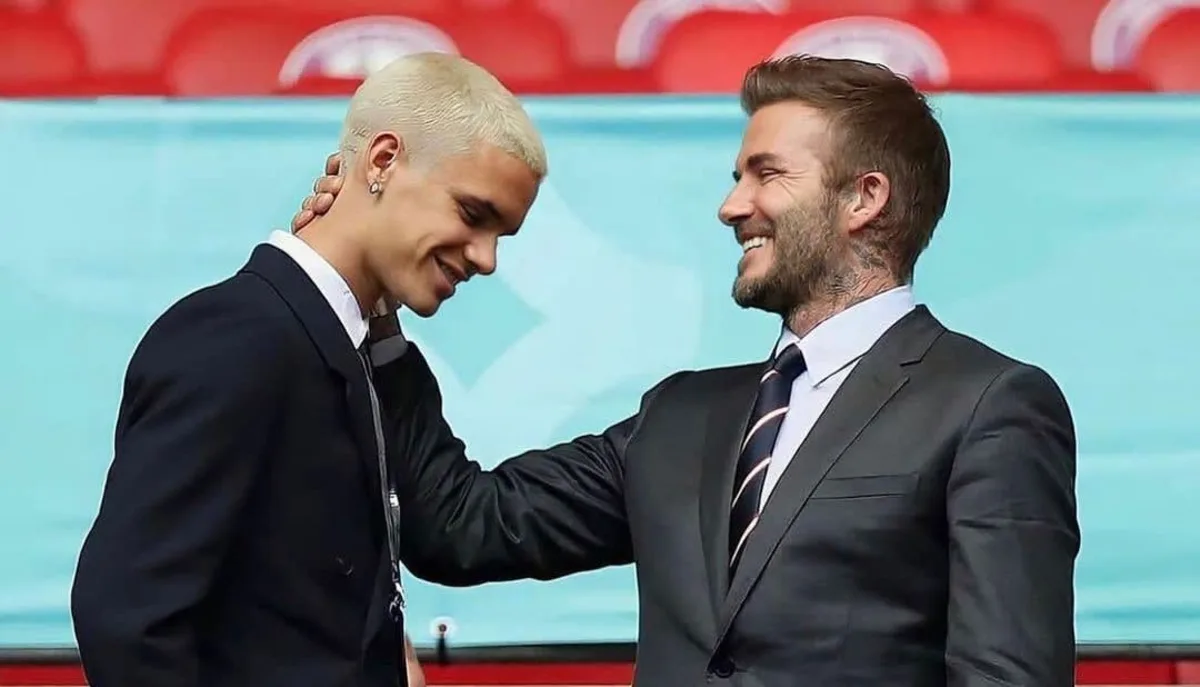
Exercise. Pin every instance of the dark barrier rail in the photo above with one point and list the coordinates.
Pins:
(612, 664)
(615, 652)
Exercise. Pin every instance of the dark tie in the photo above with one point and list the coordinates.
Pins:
(774, 393)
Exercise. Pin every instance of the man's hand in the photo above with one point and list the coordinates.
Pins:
(324, 191)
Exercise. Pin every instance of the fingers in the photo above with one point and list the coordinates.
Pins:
(320, 203)
(321, 200)
(328, 185)
(301, 219)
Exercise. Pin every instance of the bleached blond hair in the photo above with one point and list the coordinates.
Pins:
(440, 104)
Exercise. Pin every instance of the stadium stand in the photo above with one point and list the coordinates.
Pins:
(196, 48)
(257, 51)
(935, 50)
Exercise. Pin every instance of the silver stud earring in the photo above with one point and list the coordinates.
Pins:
(374, 188)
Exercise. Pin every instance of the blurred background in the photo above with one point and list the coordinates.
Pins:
(199, 48)
(147, 145)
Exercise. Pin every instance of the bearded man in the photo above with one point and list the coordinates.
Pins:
(882, 503)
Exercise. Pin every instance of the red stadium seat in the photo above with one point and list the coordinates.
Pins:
(224, 54)
(517, 46)
(320, 86)
(592, 26)
(1070, 20)
(1100, 34)
(39, 55)
(952, 5)
(1090, 81)
(626, 32)
(25, 5)
(255, 52)
(934, 50)
(1070, 81)
(595, 81)
(131, 36)
(1169, 57)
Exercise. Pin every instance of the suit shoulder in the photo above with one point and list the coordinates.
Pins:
(238, 317)
(985, 367)
(716, 376)
(693, 384)
(244, 298)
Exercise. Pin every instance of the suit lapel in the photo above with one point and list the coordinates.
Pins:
(329, 336)
(874, 381)
(725, 427)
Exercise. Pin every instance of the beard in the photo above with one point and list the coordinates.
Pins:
(805, 250)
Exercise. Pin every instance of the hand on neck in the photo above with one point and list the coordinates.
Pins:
(331, 237)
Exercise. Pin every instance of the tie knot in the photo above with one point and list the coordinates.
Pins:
(789, 363)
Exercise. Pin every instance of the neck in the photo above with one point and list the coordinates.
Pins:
(331, 243)
(837, 297)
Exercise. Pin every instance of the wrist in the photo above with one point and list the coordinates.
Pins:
(383, 327)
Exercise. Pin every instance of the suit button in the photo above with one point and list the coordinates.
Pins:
(722, 667)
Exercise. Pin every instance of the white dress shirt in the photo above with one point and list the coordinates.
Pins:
(337, 293)
(831, 351)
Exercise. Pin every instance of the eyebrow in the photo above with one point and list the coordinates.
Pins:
(485, 207)
(758, 161)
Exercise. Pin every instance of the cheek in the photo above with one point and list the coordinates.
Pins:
(445, 235)
(776, 203)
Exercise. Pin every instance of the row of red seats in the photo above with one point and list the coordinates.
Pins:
(259, 47)
(1092, 34)
(1099, 34)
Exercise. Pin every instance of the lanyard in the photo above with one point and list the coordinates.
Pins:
(391, 502)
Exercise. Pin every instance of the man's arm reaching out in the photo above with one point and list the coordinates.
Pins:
(542, 514)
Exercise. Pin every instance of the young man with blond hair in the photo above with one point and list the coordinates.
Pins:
(246, 532)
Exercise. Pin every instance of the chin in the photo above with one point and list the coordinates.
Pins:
(425, 308)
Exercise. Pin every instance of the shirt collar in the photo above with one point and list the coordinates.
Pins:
(327, 280)
(848, 335)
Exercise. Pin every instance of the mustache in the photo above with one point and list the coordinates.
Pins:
(754, 229)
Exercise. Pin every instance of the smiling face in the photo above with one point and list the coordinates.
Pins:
(432, 229)
(786, 220)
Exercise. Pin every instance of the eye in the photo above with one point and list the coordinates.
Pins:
(471, 216)
(767, 174)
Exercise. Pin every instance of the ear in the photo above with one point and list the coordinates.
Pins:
(383, 155)
(870, 195)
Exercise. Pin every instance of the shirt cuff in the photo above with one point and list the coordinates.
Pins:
(388, 350)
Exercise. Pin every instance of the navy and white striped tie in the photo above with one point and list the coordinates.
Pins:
(774, 393)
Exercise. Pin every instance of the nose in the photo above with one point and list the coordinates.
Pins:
(481, 255)
(738, 206)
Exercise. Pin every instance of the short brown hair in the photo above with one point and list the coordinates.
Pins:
(879, 122)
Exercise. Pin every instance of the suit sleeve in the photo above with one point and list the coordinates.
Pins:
(201, 393)
(1014, 537)
(542, 514)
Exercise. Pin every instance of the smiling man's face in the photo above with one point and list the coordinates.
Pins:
(435, 228)
(786, 221)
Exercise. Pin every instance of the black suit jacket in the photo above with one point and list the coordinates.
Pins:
(240, 537)
(924, 534)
